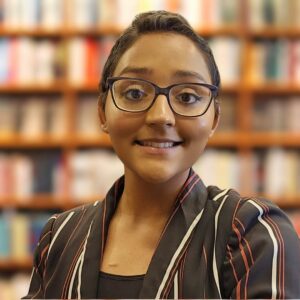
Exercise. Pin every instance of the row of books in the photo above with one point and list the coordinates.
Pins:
(36, 172)
(20, 233)
(278, 13)
(14, 287)
(36, 116)
(92, 172)
(276, 60)
(225, 169)
(277, 172)
(83, 14)
(277, 114)
(32, 117)
(229, 68)
(43, 61)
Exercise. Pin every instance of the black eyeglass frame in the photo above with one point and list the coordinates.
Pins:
(161, 91)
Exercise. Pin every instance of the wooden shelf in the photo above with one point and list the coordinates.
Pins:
(10, 264)
(101, 29)
(272, 139)
(36, 202)
(57, 87)
(275, 32)
(284, 201)
(17, 141)
(220, 139)
(274, 88)
(47, 141)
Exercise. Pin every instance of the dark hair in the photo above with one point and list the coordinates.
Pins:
(149, 22)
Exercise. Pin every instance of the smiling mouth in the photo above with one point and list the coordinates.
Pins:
(160, 145)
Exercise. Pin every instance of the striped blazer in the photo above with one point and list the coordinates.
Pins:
(214, 245)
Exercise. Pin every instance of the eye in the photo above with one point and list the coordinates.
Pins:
(188, 98)
(134, 94)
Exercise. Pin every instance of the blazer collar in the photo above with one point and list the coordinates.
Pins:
(189, 204)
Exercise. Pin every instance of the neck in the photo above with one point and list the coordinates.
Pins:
(144, 200)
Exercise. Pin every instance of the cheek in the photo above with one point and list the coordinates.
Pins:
(198, 130)
(121, 124)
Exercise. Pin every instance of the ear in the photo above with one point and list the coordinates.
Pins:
(216, 117)
(102, 117)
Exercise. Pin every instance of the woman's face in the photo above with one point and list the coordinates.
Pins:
(145, 141)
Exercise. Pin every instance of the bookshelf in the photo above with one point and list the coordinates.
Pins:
(72, 87)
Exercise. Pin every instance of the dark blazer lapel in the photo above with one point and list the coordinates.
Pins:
(102, 213)
(175, 238)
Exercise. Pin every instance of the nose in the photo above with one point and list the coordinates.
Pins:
(160, 113)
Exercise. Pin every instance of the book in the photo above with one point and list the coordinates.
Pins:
(229, 68)
(220, 168)
(56, 120)
(52, 14)
(8, 116)
(87, 119)
(5, 237)
(33, 117)
(228, 113)
(88, 178)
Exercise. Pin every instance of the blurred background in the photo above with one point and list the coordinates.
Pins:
(53, 155)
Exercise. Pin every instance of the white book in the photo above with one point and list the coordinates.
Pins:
(193, 11)
(126, 11)
(226, 51)
(81, 175)
(23, 176)
(19, 284)
(77, 60)
(52, 14)
(29, 13)
(114, 168)
(87, 122)
(25, 61)
(83, 13)
(33, 117)
(11, 13)
(274, 172)
(206, 166)
(44, 62)
(146, 5)
(5, 54)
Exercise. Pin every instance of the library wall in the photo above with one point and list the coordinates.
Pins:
(52, 151)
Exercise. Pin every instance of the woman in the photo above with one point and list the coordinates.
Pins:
(160, 233)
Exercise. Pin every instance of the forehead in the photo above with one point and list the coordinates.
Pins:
(162, 55)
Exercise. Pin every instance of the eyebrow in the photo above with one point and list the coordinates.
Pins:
(147, 71)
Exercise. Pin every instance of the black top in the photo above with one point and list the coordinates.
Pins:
(119, 286)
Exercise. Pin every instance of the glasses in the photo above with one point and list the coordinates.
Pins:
(138, 95)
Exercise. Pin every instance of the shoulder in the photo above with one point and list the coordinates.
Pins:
(244, 215)
(83, 214)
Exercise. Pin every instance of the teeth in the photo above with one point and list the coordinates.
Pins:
(158, 145)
